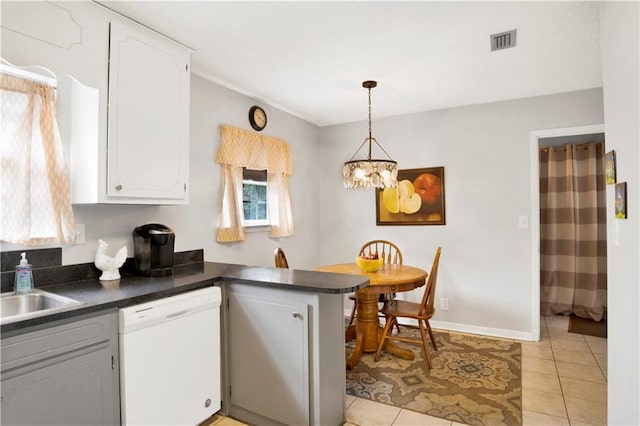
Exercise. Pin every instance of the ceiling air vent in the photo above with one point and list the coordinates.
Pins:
(503, 40)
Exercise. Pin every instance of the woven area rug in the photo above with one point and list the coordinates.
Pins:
(474, 380)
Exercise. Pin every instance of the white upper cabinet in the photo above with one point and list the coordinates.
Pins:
(148, 116)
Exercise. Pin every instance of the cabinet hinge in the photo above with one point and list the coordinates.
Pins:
(186, 67)
(113, 362)
(185, 187)
(227, 304)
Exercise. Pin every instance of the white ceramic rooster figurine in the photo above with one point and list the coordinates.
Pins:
(109, 265)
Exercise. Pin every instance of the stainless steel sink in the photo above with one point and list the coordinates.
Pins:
(18, 307)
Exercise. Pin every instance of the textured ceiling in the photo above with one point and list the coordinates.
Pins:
(310, 58)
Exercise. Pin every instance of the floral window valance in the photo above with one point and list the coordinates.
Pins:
(241, 148)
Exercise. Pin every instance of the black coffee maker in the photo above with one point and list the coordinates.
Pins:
(153, 248)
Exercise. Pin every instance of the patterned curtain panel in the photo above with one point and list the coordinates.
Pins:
(35, 194)
(573, 249)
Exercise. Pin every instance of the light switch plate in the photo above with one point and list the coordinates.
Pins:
(444, 303)
(81, 233)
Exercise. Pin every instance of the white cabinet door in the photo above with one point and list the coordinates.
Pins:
(148, 135)
(269, 357)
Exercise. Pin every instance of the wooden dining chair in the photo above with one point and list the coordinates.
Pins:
(280, 258)
(389, 253)
(422, 312)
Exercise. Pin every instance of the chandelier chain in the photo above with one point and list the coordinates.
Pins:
(369, 112)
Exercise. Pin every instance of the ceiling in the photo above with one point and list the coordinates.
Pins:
(310, 58)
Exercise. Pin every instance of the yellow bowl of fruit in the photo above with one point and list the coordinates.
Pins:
(370, 263)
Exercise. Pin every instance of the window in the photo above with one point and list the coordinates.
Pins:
(254, 197)
(241, 154)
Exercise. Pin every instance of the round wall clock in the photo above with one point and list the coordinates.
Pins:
(257, 118)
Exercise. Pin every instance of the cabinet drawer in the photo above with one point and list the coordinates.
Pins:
(35, 346)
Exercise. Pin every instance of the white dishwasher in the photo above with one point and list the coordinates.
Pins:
(170, 359)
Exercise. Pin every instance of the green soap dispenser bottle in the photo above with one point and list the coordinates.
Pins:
(24, 277)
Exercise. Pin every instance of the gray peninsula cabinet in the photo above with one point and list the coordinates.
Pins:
(62, 373)
(284, 356)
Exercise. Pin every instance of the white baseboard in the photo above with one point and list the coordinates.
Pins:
(484, 331)
(470, 329)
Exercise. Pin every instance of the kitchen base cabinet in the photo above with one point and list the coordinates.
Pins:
(64, 374)
(284, 357)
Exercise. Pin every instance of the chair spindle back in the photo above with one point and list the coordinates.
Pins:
(389, 252)
(281, 259)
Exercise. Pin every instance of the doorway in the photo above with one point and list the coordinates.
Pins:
(551, 137)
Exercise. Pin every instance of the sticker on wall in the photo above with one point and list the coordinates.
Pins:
(621, 200)
(610, 166)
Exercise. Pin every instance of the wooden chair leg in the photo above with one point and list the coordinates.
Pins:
(386, 320)
(353, 312)
(388, 299)
(387, 326)
(433, 340)
(391, 297)
(425, 345)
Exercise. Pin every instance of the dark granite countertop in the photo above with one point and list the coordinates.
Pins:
(131, 289)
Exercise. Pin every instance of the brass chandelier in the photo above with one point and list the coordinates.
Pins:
(369, 172)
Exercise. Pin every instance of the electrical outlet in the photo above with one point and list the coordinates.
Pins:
(523, 222)
(444, 303)
(81, 233)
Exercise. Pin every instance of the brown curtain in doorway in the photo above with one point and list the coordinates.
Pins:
(573, 249)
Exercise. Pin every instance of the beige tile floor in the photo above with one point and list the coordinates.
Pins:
(564, 382)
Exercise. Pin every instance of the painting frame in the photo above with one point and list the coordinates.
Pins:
(431, 191)
(610, 167)
(620, 206)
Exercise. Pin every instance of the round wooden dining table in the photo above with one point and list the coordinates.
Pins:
(366, 330)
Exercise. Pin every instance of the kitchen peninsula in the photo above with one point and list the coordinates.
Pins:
(282, 331)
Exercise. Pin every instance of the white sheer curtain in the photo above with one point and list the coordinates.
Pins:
(230, 226)
(35, 195)
(279, 206)
(241, 148)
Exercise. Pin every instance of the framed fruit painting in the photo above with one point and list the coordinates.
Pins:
(417, 200)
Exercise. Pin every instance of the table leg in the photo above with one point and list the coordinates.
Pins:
(357, 349)
(367, 320)
(365, 329)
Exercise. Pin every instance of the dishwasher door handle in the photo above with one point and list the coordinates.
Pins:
(178, 314)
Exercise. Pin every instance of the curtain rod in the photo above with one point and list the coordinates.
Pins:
(564, 147)
(7, 67)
